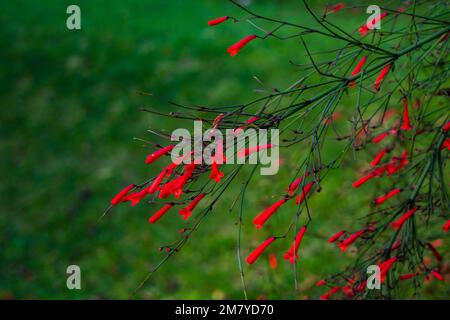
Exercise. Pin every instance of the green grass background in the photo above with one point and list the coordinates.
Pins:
(69, 111)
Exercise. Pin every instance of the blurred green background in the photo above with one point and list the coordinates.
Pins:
(69, 113)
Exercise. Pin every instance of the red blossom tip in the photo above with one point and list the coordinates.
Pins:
(216, 174)
(446, 226)
(158, 154)
(235, 48)
(336, 236)
(357, 69)
(406, 121)
(261, 218)
(119, 197)
(217, 21)
(330, 293)
(437, 275)
(259, 250)
(378, 157)
(159, 213)
(321, 283)
(380, 77)
(407, 276)
(291, 255)
(306, 190)
(187, 211)
(350, 240)
(387, 196)
(380, 137)
(363, 180)
(446, 127)
(400, 221)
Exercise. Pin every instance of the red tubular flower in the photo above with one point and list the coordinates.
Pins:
(176, 186)
(381, 76)
(433, 250)
(328, 295)
(363, 30)
(248, 151)
(251, 120)
(396, 245)
(378, 157)
(160, 213)
(119, 197)
(446, 127)
(406, 121)
(380, 137)
(294, 185)
(387, 196)
(337, 7)
(385, 266)
(259, 250)
(357, 69)
(261, 218)
(273, 261)
(306, 189)
(136, 197)
(321, 283)
(407, 276)
(234, 49)
(248, 121)
(336, 236)
(348, 241)
(187, 211)
(155, 184)
(159, 153)
(291, 255)
(446, 144)
(216, 174)
(363, 180)
(400, 221)
(446, 226)
(217, 120)
(397, 163)
(217, 21)
(437, 275)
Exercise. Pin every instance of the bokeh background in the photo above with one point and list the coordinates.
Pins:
(69, 112)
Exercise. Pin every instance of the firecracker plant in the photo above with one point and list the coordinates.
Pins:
(397, 80)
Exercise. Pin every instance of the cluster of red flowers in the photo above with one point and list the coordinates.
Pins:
(264, 215)
(170, 182)
(378, 169)
(173, 187)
